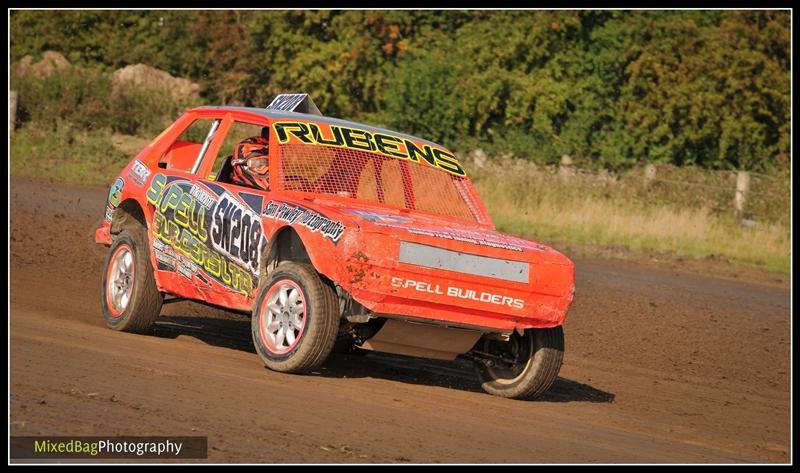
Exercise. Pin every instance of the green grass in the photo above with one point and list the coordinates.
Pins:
(545, 207)
(65, 153)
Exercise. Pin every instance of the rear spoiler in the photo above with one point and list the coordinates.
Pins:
(301, 103)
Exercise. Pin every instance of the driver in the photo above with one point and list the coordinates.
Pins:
(250, 163)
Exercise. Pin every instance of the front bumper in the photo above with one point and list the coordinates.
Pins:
(103, 234)
(387, 286)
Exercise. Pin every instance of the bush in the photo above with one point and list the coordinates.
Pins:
(79, 96)
(86, 99)
(421, 99)
(609, 88)
(144, 112)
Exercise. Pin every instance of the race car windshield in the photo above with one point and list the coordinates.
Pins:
(377, 178)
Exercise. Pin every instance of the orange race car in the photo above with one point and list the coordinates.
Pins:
(344, 235)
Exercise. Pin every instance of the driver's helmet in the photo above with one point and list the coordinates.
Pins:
(250, 163)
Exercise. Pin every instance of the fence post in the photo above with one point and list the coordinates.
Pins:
(649, 174)
(565, 168)
(478, 158)
(742, 189)
(12, 110)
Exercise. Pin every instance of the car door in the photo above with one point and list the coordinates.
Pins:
(179, 227)
(234, 239)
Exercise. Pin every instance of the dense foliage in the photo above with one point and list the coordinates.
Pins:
(86, 99)
(610, 89)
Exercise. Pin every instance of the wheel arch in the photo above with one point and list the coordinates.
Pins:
(287, 244)
(127, 213)
(130, 214)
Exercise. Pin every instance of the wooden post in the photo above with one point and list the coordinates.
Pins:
(12, 110)
(565, 168)
(478, 158)
(742, 188)
(649, 174)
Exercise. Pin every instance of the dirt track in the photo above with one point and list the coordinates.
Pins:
(661, 366)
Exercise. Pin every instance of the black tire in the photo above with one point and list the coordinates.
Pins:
(312, 334)
(139, 313)
(538, 356)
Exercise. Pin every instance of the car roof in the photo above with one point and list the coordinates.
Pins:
(285, 115)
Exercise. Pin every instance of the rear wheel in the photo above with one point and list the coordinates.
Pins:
(524, 367)
(130, 298)
(295, 319)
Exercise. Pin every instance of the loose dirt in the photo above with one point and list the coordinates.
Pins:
(661, 365)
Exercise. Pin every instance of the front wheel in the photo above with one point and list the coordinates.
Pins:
(524, 367)
(295, 319)
(130, 299)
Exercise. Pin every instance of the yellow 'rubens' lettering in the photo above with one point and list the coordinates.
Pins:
(338, 136)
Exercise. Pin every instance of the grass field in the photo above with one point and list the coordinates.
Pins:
(65, 153)
(522, 200)
(552, 208)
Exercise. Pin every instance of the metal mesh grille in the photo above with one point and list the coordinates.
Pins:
(373, 177)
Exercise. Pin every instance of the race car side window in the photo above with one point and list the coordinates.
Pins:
(238, 132)
(185, 152)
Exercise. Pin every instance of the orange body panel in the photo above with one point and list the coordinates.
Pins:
(182, 155)
(401, 243)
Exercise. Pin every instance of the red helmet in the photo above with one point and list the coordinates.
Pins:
(250, 163)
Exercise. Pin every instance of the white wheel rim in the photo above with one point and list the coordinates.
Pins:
(119, 282)
(283, 316)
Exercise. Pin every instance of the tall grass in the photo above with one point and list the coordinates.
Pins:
(572, 210)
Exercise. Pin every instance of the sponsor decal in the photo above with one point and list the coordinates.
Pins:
(492, 240)
(468, 236)
(391, 146)
(114, 198)
(186, 267)
(457, 292)
(286, 102)
(219, 236)
(294, 103)
(378, 216)
(184, 210)
(115, 193)
(165, 256)
(206, 200)
(216, 188)
(139, 173)
(156, 186)
(255, 201)
(305, 217)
